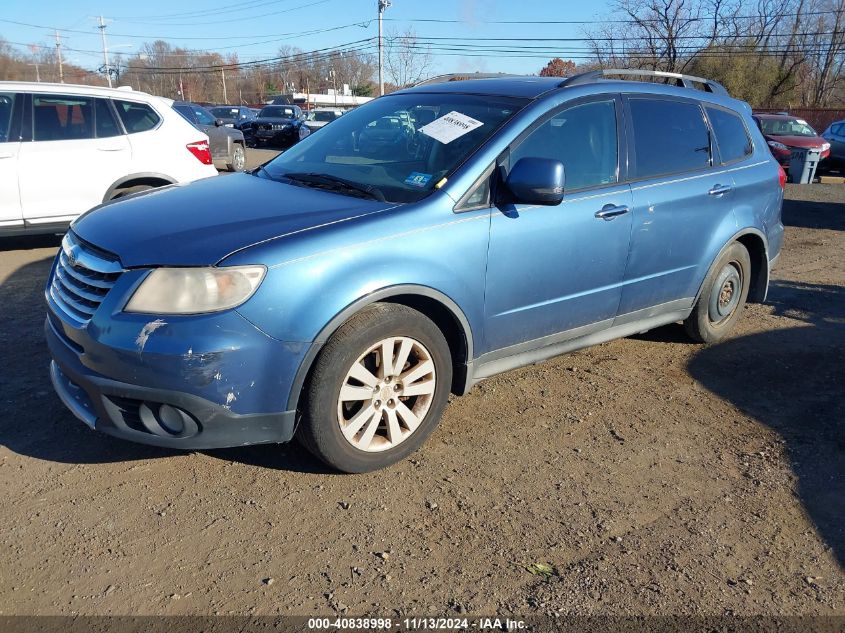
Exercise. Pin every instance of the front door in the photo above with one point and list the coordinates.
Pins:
(558, 269)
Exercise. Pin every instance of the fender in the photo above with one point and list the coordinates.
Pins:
(358, 305)
(762, 283)
(143, 175)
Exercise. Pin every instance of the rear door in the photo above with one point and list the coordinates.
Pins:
(10, 144)
(680, 199)
(836, 137)
(77, 151)
(218, 137)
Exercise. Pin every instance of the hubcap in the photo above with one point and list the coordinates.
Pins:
(386, 394)
(727, 290)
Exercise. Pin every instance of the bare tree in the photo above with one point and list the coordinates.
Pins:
(407, 61)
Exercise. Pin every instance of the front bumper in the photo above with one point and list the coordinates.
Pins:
(133, 412)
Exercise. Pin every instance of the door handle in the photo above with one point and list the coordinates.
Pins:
(6, 155)
(111, 149)
(719, 190)
(610, 211)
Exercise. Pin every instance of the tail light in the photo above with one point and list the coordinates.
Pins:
(201, 151)
(781, 177)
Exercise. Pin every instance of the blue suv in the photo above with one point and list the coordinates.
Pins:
(421, 243)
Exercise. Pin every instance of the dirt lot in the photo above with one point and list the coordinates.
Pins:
(656, 477)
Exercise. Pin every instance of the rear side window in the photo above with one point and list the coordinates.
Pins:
(7, 100)
(669, 137)
(136, 117)
(106, 126)
(731, 135)
(583, 138)
(62, 118)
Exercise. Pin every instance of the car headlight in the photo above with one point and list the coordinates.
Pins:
(777, 145)
(195, 290)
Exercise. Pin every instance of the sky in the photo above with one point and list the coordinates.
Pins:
(255, 29)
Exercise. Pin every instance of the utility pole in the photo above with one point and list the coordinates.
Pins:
(225, 96)
(382, 5)
(59, 57)
(106, 67)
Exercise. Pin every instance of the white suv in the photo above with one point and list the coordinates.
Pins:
(67, 148)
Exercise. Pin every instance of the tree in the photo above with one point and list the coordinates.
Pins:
(407, 60)
(558, 68)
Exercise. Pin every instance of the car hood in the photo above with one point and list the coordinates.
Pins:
(798, 141)
(201, 223)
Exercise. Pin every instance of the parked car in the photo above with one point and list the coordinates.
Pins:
(835, 135)
(783, 133)
(232, 116)
(319, 117)
(67, 148)
(348, 296)
(228, 145)
(278, 126)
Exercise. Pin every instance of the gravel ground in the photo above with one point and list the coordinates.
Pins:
(651, 475)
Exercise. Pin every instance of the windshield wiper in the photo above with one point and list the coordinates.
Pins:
(335, 183)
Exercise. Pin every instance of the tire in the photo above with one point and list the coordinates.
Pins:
(336, 429)
(722, 296)
(237, 161)
(122, 193)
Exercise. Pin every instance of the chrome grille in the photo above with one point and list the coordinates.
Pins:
(81, 279)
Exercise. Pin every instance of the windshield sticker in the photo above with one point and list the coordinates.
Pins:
(450, 126)
(416, 179)
(801, 121)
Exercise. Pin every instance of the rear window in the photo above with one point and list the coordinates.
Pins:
(7, 100)
(62, 118)
(669, 137)
(137, 117)
(731, 134)
(106, 126)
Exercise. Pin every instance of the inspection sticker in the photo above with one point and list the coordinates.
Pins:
(450, 126)
(417, 179)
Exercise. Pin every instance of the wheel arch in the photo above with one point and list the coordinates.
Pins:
(435, 305)
(151, 178)
(755, 242)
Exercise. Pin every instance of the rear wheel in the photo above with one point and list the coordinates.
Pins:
(237, 161)
(722, 296)
(122, 193)
(377, 389)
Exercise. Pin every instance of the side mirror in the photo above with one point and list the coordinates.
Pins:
(219, 122)
(536, 181)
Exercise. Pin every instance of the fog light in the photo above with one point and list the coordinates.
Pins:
(171, 419)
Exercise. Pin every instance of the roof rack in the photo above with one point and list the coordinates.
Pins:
(439, 79)
(684, 81)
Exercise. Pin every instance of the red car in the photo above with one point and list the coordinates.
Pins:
(784, 132)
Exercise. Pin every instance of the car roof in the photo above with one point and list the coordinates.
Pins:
(121, 92)
(530, 87)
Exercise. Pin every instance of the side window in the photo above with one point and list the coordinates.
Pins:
(835, 129)
(203, 116)
(136, 117)
(62, 118)
(7, 101)
(106, 126)
(669, 137)
(731, 135)
(583, 138)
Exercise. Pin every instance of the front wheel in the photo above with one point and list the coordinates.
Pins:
(377, 389)
(722, 296)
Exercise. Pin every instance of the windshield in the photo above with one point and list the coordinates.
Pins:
(322, 116)
(225, 113)
(278, 112)
(786, 127)
(400, 145)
